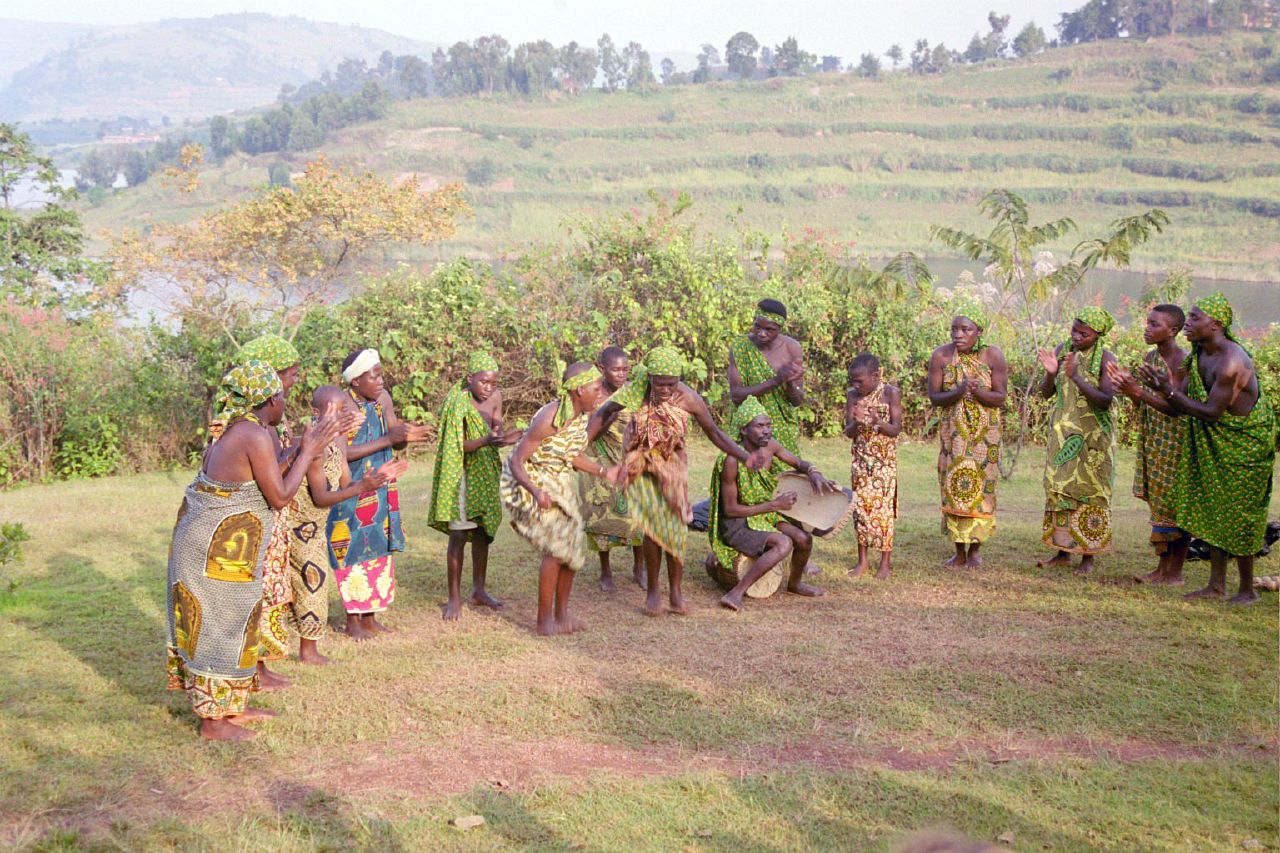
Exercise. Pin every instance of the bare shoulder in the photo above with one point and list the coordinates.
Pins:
(942, 353)
(892, 393)
(690, 397)
(792, 346)
(384, 400)
(991, 355)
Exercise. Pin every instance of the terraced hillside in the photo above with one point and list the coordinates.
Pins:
(1091, 132)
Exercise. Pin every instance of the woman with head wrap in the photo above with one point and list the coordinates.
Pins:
(657, 467)
(744, 516)
(464, 482)
(219, 543)
(1080, 458)
(539, 488)
(1223, 485)
(968, 382)
(364, 532)
(768, 365)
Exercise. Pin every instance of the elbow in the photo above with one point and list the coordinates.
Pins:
(737, 396)
(278, 503)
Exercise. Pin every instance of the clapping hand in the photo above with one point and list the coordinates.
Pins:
(321, 432)
(792, 371)
(1048, 360)
(1123, 380)
(505, 439)
(1158, 379)
(385, 473)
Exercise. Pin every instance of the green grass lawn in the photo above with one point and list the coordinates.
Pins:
(1012, 703)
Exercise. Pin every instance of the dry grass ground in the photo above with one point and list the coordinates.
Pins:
(1055, 712)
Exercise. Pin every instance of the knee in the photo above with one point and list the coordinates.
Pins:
(803, 540)
(780, 542)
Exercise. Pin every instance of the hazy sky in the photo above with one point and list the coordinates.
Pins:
(843, 27)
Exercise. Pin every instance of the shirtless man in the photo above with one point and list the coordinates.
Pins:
(1223, 489)
(768, 365)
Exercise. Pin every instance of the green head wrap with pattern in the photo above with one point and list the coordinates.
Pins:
(273, 349)
(245, 388)
(481, 362)
(1101, 321)
(1216, 307)
(564, 412)
(661, 361)
(972, 309)
(750, 409)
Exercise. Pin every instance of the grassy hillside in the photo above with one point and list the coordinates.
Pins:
(188, 67)
(1092, 132)
(25, 42)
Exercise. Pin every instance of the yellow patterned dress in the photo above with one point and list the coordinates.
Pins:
(309, 552)
(658, 475)
(1079, 470)
(874, 474)
(969, 458)
(557, 531)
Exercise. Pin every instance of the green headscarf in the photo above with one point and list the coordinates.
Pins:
(771, 316)
(1101, 321)
(245, 388)
(564, 412)
(1216, 306)
(963, 306)
(750, 409)
(273, 349)
(661, 361)
(481, 362)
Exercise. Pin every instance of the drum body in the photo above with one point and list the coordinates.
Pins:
(727, 578)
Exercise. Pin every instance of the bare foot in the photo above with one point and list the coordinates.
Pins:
(973, 562)
(251, 715)
(1154, 576)
(269, 681)
(1170, 580)
(883, 573)
(452, 610)
(653, 605)
(570, 625)
(1086, 565)
(224, 730)
(731, 601)
(800, 588)
(812, 568)
(1244, 598)
(308, 653)
(371, 622)
(954, 562)
(358, 632)
(856, 571)
(607, 584)
(641, 577)
(481, 598)
(546, 627)
(1207, 592)
(678, 607)
(1062, 558)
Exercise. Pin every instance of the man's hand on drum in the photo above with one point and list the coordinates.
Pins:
(820, 483)
(784, 501)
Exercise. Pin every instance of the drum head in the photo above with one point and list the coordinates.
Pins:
(824, 514)
(767, 585)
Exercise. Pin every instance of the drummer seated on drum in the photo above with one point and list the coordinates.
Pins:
(746, 515)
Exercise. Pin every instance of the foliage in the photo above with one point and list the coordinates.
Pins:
(12, 535)
(284, 250)
(41, 248)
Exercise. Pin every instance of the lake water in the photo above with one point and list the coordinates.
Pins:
(1256, 303)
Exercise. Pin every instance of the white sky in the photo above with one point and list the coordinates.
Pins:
(846, 28)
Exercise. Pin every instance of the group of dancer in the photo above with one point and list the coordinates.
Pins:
(272, 516)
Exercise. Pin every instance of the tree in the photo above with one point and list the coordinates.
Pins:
(99, 168)
(1032, 294)
(869, 66)
(220, 142)
(135, 166)
(42, 262)
(576, 68)
(895, 55)
(1095, 20)
(829, 64)
(921, 57)
(1029, 41)
(790, 60)
(612, 65)
(941, 59)
(976, 51)
(534, 67)
(285, 249)
(415, 76)
(639, 68)
(668, 68)
(740, 54)
(491, 62)
(995, 45)
(708, 57)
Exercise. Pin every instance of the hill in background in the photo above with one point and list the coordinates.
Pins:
(25, 42)
(186, 68)
(1093, 132)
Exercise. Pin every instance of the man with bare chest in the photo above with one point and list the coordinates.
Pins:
(768, 365)
(1223, 488)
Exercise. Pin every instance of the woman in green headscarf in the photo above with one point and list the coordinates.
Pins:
(219, 543)
(657, 467)
(464, 483)
(744, 516)
(968, 382)
(539, 489)
(1080, 458)
(1222, 492)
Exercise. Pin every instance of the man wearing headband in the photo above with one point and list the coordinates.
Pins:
(219, 544)
(766, 364)
(540, 490)
(1223, 488)
(657, 466)
(464, 483)
(1079, 466)
(364, 532)
(1159, 443)
(968, 382)
(744, 514)
(608, 519)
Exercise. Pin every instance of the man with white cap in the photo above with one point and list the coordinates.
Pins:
(364, 531)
